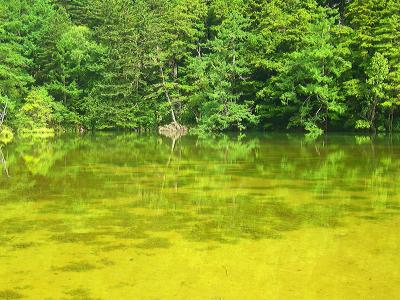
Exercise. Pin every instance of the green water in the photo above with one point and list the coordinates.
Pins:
(126, 216)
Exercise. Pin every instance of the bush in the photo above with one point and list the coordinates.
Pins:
(41, 113)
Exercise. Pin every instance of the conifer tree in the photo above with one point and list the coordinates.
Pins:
(220, 75)
(14, 65)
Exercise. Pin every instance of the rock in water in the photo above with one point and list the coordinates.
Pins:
(173, 130)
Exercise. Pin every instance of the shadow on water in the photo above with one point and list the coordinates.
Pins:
(10, 294)
(118, 191)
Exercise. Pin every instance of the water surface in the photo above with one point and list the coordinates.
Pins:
(127, 216)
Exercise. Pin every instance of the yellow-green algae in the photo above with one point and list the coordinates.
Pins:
(262, 217)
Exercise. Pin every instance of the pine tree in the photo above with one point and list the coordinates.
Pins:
(127, 31)
(14, 65)
(219, 76)
(76, 9)
(309, 80)
(299, 59)
(75, 64)
(377, 30)
(183, 31)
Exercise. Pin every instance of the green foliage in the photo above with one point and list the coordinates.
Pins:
(74, 66)
(307, 81)
(14, 77)
(219, 78)
(376, 53)
(37, 111)
(377, 74)
(40, 112)
(215, 65)
(362, 124)
(77, 10)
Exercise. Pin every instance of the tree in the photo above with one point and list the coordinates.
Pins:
(75, 64)
(183, 32)
(37, 111)
(14, 76)
(113, 101)
(77, 10)
(377, 30)
(212, 64)
(218, 78)
(40, 111)
(305, 73)
(376, 87)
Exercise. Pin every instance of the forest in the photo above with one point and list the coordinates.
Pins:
(212, 65)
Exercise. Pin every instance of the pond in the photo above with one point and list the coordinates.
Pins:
(262, 216)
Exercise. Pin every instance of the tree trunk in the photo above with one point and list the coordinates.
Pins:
(326, 119)
(3, 115)
(391, 119)
(173, 115)
(372, 118)
(167, 94)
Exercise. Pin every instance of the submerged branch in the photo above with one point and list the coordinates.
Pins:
(4, 163)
